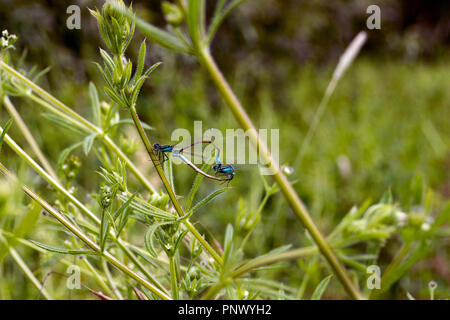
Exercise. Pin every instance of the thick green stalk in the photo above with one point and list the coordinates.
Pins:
(166, 183)
(87, 240)
(286, 188)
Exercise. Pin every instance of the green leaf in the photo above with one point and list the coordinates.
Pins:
(88, 142)
(36, 78)
(149, 244)
(320, 289)
(387, 197)
(65, 153)
(125, 205)
(161, 37)
(277, 250)
(95, 103)
(123, 212)
(64, 250)
(178, 240)
(28, 222)
(116, 98)
(228, 242)
(147, 209)
(195, 20)
(208, 198)
(195, 186)
(219, 17)
(123, 220)
(63, 123)
(4, 131)
(442, 218)
(108, 60)
(140, 82)
(409, 295)
(400, 268)
(141, 62)
(131, 122)
(104, 228)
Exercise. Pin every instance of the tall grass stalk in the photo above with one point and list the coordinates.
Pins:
(345, 62)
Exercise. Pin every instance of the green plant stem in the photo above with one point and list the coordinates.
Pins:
(28, 136)
(78, 120)
(87, 240)
(46, 105)
(166, 183)
(23, 266)
(173, 277)
(286, 188)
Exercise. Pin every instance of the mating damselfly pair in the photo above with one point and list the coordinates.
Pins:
(222, 172)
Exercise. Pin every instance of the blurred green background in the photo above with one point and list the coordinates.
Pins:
(386, 126)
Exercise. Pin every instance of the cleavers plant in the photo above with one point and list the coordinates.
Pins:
(176, 260)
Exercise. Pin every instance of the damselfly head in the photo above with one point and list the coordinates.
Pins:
(156, 146)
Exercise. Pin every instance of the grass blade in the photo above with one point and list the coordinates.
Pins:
(88, 142)
(5, 130)
(208, 198)
(320, 289)
(64, 250)
(95, 104)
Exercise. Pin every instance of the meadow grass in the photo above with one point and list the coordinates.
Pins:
(381, 146)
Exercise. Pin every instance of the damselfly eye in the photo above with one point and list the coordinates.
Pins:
(156, 146)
